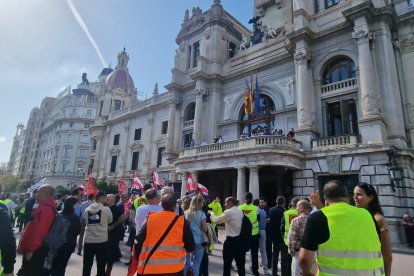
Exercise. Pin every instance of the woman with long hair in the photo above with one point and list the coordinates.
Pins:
(365, 196)
(63, 254)
(198, 225)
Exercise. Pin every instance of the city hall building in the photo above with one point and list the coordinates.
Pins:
(339, 72)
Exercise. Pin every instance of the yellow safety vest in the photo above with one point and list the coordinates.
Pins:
(1, 268)
(353, 247)
(250, 211)
(139, 201)
(289, 216)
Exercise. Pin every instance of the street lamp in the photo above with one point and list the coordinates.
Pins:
(396, 172)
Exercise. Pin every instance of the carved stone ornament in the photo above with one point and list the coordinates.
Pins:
(362, 35)
(136, 145)
(115, 150)
(306, 118)
(227, 107)
(370, 105)
(410, 111)
(199, 91)
(161, 140)
(302, 56)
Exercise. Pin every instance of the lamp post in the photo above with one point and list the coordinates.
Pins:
(396, 172)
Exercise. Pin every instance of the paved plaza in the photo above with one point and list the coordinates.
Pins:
(402, 263)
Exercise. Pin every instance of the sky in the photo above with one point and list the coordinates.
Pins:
(46, 45)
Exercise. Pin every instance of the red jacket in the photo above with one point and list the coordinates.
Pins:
(38, 227)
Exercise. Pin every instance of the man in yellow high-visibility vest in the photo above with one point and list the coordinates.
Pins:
(344, 236)
(288, 216)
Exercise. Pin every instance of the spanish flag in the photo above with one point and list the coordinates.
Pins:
(251, 95)
(247, 105)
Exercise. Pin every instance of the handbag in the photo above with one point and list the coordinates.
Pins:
(159, 242)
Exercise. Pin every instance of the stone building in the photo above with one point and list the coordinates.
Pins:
(337, 72)
(16, 152)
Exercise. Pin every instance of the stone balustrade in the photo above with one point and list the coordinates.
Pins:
(189, 123)
(340, 86)
(243, 144)
(334, 142)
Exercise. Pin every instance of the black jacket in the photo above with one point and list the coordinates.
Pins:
(7, 241)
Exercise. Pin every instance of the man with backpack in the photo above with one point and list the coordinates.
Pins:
(233, 247)
(31, 241)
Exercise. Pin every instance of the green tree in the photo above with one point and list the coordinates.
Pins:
(108, 187)
(62, 190)
(11, 183)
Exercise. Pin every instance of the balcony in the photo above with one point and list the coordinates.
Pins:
(242, 145)
(188, 124)
(335, 142)
(339, 87)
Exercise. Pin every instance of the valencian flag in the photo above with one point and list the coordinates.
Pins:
(246, 97)
(158, 183)
(191, 185)
(251, 90)
(122, 186)
(256, 98)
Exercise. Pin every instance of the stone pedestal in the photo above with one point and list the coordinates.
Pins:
(183, 183)
(241, 183)
(373, 131)
(254, 181)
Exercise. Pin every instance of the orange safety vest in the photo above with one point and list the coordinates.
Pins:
(170, 255)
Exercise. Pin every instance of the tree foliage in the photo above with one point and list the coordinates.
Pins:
(11, 183)
(108, 187)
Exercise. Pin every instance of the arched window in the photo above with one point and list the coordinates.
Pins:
(338, 70)
(189, 112)
(262, 122)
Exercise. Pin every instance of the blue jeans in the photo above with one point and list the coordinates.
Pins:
(197, 256)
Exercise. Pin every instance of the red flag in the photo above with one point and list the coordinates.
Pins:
(157, 180)
(137, 183)
(191, 185)
(129, 203)
(91, 186)
(202, 189)
(122, 186)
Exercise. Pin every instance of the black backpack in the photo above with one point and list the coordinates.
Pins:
(57, 233)
(246, 233)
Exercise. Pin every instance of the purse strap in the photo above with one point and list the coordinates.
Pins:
(160, 241)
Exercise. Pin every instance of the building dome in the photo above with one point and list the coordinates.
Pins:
(120, 77)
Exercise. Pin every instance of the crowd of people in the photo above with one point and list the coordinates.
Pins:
(175, 237)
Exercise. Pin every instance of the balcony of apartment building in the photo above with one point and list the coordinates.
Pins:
(339, 104)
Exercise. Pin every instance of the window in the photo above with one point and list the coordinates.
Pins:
(116, 139)
(86, 125)
(74, 111)
(64, 167)
(94, 142)
(89, 112)
(68, 152)
(79, 168)
(91, 163)
(137, 134)
(259, 123)
(189, 112)
(232, 49)
(342, 118)
(159, 158)
(82, 153)
(135, 159)
(71, 124)
(164, 127)
(339, 70)
(187, 137)
(56, 153)
(117, 105)
(60, 125)
(331, 3)
(69, 138)
(188, 57)
(318, 6)
(113, 163)
(196, 53)
(85, 139)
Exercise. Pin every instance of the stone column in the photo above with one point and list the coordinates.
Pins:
(183, 183)
(372, 126)
(305, 99)
(405, 45)
(199, 92)
(241, 183)
(254, 181)
(389, 86)
(169, 147)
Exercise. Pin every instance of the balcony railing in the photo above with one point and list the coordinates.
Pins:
(244, 144)
(189, 123)
(333, 142)
(340, 86)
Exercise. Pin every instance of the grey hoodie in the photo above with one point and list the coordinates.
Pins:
(97, 218)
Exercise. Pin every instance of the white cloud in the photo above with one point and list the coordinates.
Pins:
(2, 139)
